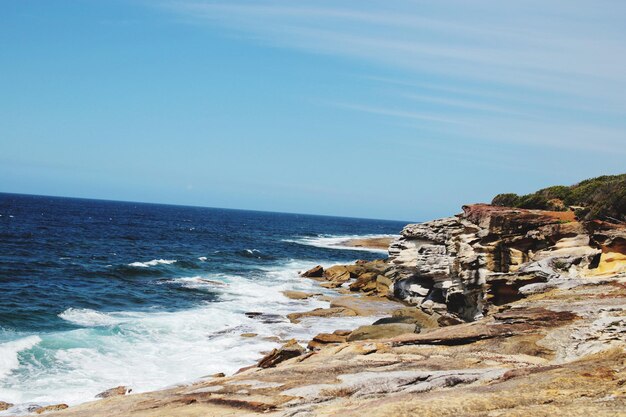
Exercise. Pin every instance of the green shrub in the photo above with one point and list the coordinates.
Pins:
(506, 200)
(601, 198)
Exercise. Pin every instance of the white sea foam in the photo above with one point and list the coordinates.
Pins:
(338, 242)
(87, 317)
(202, 258)
(153, 262)
(9, 353)
(151, 350)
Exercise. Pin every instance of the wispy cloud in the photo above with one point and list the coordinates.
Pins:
(535, 71)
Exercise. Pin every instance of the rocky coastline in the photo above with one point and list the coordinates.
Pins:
(495, 311)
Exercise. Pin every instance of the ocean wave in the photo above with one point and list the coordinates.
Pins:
(9, 352)
(88, 317)
(153, 262)
(196, 282)
(151, 349)
(337, 242)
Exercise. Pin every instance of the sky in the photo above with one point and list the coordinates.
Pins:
(381, 109)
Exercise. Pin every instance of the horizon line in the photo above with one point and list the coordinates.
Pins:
(208, 207)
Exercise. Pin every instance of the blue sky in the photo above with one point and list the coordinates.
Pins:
(399, 110)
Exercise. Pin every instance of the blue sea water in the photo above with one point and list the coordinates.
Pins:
(95, 294)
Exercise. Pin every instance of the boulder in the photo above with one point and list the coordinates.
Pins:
(383, 284)
(48, 408)
(114, 392)
(315, 272)
(365, 282)
(5, 406)
(289, 350)
(298, 295)
(355, 270)
(382, 331)
(337, 273)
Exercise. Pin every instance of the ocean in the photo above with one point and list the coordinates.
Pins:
(96, 294)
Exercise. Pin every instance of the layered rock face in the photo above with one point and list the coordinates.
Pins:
(492, 255)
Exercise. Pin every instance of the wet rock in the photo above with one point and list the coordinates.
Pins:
(322, 312)
(265, 318)
(289, 350)
(382, 331)
(315, 272)
(5, 405)
(112, 392)
(49, 408)
(298, 295)
(331, 284)
(248, 335)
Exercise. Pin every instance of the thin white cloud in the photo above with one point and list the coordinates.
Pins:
(544, 73)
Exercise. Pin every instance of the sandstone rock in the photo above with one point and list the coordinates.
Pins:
(248, 335)
(337, 273)
(485, 255)
(289, 350)
(331, 284)
(365, 282)
(112, 392)
(460, 334)
(322, 339)
(355, 270)
(417, 316)
(383, 284)
(5, 405)
(298, 295)
(49, 408)
(315, 272)
(322, 312)
(382, 331)
(366, 306)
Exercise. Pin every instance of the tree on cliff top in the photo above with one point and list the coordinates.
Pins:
(601, 198)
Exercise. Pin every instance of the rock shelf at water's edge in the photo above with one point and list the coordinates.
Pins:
(495, 311)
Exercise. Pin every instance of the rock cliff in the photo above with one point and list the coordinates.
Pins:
(491, 255)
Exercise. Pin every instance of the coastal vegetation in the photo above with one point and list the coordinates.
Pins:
(600, 198)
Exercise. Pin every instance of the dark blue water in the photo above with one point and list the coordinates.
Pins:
(104, 268)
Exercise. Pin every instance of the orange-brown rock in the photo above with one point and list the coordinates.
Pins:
(337, 273)
(315, 272)
(322, 339)
(289, 350)
(298, 295)
(50, 408)
(322, 312)
(112, 392)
